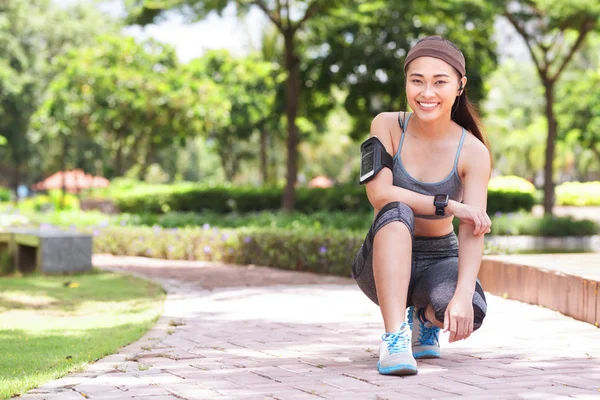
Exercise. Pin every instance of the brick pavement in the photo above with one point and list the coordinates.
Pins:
(286, 335)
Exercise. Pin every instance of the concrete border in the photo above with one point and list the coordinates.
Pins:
(571, 295)
(524, 242)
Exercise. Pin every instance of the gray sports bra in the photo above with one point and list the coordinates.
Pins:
(451, 185)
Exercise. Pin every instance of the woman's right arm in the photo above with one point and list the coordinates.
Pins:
(381, 190)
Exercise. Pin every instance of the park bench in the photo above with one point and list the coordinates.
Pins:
(47, 251)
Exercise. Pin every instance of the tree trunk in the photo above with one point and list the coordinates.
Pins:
(63, 168)
(119, 159)
(147, 159)
(550, 147)
(263, 156)
(272, 155)
(292, 94)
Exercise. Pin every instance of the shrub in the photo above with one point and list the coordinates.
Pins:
(6, 262)
(158, 199)
(5, 194)
(578, 194)
(327, 251)
(525, 224)
(510, 193)
(50, 201)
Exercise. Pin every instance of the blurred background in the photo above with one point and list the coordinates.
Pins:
(124, 114)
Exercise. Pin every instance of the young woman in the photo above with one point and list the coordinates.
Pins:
(411, 255)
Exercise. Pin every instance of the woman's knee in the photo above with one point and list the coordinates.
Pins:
(440, 299)
(392, 212)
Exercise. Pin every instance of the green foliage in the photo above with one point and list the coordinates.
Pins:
(5, 194)
(223, 199)
(578, 194)
(51, 201)
(243, 100)
(510, 193)
(126, 96)
(32, 35)
(511, 184)
(526, 224)
(362, 49)
(579, 112)
(7, 265)
(301, 249)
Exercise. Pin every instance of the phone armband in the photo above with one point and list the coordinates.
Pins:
(373, 157)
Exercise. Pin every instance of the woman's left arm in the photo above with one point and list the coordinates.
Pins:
(459, 313)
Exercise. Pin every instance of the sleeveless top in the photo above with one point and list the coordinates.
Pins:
(451, 185)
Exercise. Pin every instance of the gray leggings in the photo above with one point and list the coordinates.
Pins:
(434, 267)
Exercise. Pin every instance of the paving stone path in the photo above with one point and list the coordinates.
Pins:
(234, 332)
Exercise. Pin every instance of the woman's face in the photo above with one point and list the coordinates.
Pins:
(431, 88)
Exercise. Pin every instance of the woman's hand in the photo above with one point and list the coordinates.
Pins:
(458, 318)
(471, 215)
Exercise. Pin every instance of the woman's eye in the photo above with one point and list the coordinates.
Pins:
(441, 82)
(416, 81)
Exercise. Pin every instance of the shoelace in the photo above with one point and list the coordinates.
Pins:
(396, 342)
(429, 336)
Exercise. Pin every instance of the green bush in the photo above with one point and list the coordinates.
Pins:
(578, 194)
(525, 224)
(6, 262)
(510, 193)
(4, 194)
(159, 199)
(50, 201)
(327, 251)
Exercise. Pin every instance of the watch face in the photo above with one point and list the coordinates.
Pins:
(440, 199)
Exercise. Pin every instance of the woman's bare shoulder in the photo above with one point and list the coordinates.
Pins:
(388, 119)
(474, 152)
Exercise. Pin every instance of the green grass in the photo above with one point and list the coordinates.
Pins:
(49, 328)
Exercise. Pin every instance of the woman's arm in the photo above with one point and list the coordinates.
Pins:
(459, 314)
(381, 190)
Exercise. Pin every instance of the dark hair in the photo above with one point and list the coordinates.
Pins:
(464, 112)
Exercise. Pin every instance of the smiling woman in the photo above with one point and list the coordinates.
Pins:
(441, 168)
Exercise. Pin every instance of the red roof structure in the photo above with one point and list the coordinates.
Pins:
(320, 181)
(74, 181)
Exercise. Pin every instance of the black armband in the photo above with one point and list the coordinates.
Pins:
(374, 157)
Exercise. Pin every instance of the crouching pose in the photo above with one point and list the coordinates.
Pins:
(421, 169)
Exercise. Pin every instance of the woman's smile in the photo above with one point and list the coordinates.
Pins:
(427, 106)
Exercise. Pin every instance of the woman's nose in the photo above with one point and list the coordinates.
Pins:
(428, 91)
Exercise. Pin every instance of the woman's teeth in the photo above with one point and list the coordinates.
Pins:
(428, 105)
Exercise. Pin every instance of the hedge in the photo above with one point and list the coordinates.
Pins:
(250, 199)
(578, 194)
(4, 194)
(328, 252)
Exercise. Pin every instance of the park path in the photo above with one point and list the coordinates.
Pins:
(245, 332)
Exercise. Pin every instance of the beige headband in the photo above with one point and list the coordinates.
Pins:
(432, 46)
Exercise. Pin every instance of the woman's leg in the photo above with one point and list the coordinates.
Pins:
(392, 255)
(384, 273)
(435, 289)
(382, 269)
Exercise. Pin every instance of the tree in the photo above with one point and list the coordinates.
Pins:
(289, 17)
(33, 34)
(247, 94)
(363, 49)
(131, 98)
(553, 31)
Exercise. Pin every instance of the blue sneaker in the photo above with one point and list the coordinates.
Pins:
(395, 353)
(425, 336)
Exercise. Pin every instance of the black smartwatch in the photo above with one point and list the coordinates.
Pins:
(440, 201)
